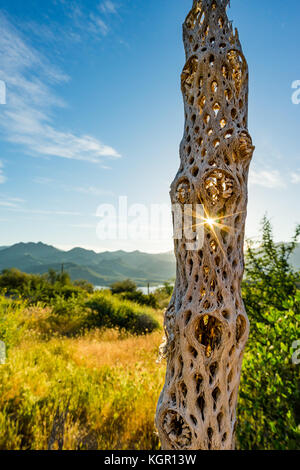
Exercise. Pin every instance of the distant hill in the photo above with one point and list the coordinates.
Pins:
(97, 268)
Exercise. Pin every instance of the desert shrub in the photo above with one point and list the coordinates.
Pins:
(49, 293)
(62, 278)
(163, 294)
(268, 411)
(123, 286)
(144, 323)
(269, 276)
(68, 307)
(111, 312)
(11, 321)
(68, 315)
(140, 298)
(16, 283)
(128, 290)
(84, 285)
(39, 288)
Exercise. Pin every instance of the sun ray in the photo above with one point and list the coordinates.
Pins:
(213, 223)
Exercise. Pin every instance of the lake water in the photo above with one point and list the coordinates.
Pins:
(143, 289)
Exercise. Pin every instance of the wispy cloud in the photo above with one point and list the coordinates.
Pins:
(44, 212)
(270, 179)
(11, 202)
(295, 177)
(15, 204)
(97, 24)
(2, 177)
(108, 7)
(84, 22)
(83, 226)
(91, 190)
(43, 180)
(92, 23)
(7, 204)
(28, 117)
(81, 21)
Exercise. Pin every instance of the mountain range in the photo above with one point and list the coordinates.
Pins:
(98, 268)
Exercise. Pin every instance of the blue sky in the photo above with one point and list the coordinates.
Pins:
(94, 111)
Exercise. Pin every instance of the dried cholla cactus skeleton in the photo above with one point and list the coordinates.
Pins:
(206, 324)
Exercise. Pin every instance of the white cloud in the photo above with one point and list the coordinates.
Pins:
(92, 190)
(266, 178)
(15, 204)
(42, 211)
(97, 24)
(2, 177)
(84, 226)
(7, 204)
(87, 23)
(108, 7)
(11, 202)
(27, 118)
(295, 177)
(43, 180)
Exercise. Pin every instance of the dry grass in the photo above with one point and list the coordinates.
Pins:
(96, 391)
(98, 349)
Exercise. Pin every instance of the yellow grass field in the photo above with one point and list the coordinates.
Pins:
(97, 391)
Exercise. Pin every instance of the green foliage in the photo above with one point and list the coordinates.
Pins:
(75, 308)
(110, 406)
(123, 286)
(268, 411)
(140, 298)
(163, 294)
(12, 325)
(111, 312)
(128, 290)
(36, 288)
(62, 278)
(269, 392)
(16, 282)
(84, 285)
(167, 289)
(45, 369)
(68, 317)
(269, 277)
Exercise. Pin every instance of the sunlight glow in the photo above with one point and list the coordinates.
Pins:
(209, 221)
(214, 224)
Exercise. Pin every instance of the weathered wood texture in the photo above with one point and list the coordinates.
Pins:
(206, 324)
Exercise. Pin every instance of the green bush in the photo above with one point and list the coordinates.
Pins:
(123, 286)
(68, 315)
(84, 285)
(163, 295)
(140, 298)
(268, 411)
(37, 288)
(112, 312)
(11, 326)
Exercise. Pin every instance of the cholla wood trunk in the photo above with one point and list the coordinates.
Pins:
(206, 324)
